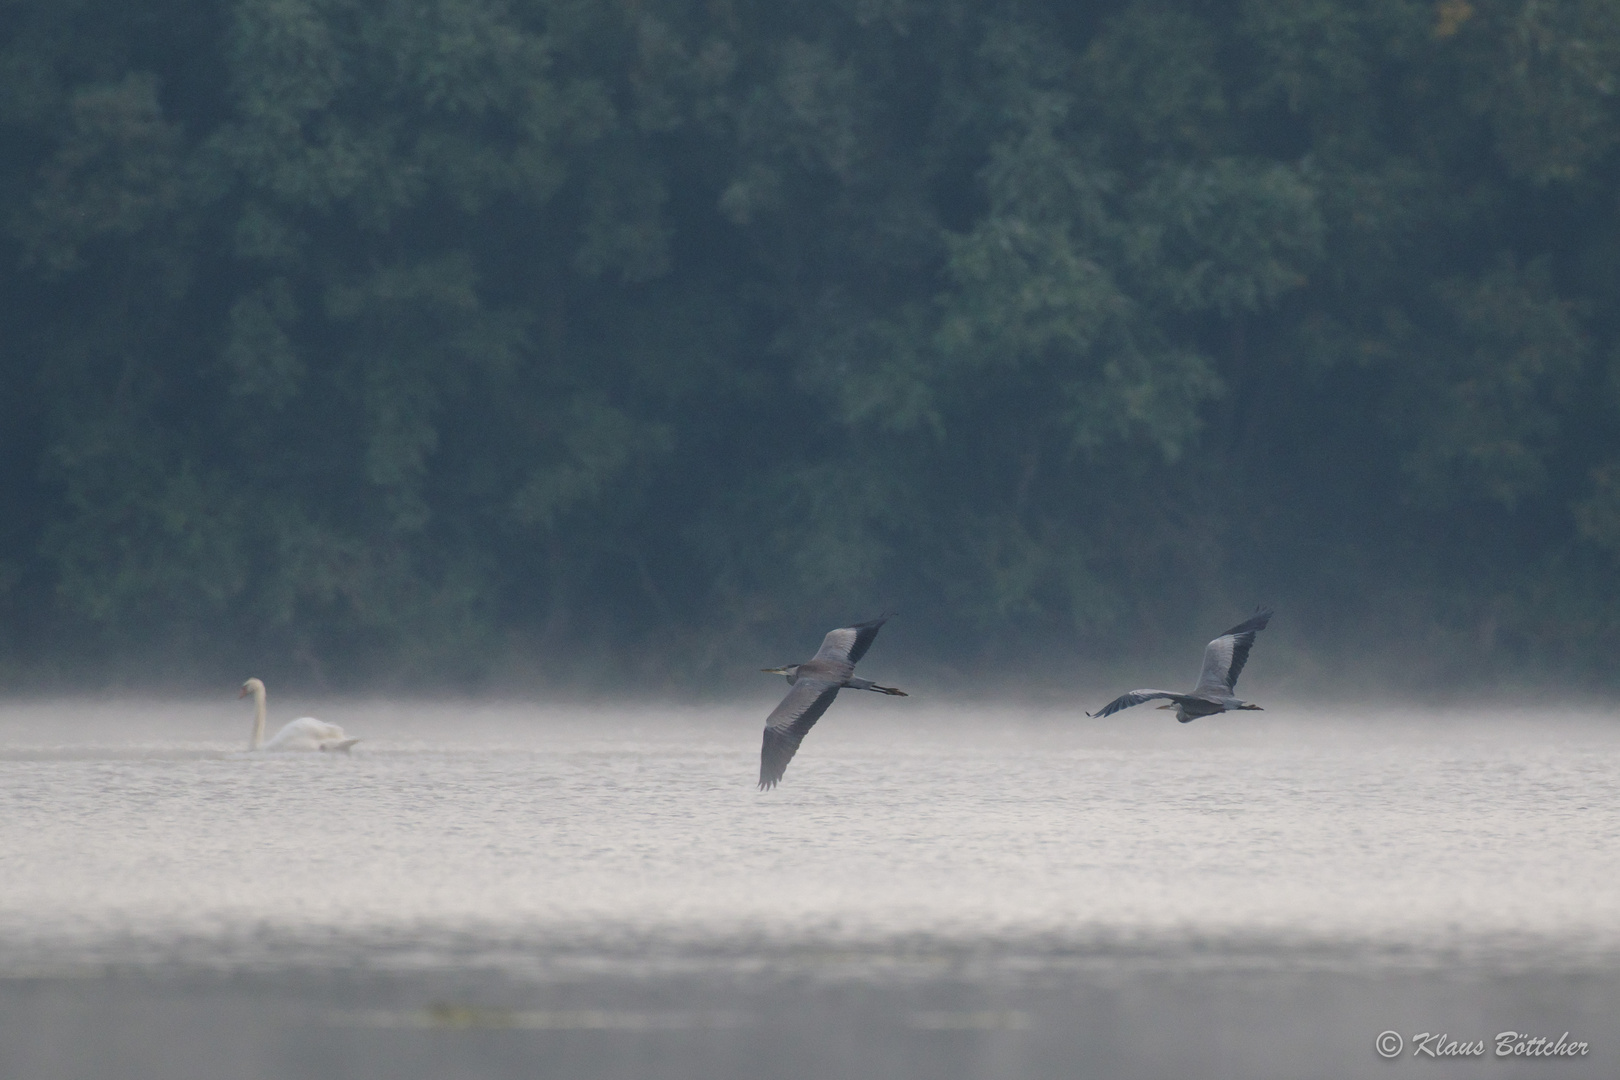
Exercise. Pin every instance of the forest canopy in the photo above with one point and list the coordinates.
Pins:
(363, 338)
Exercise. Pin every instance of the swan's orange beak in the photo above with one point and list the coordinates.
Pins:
(243, 694)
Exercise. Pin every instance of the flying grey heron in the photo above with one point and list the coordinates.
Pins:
(1223, 663)
(815, 684)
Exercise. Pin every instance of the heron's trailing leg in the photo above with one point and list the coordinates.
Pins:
(868, 684)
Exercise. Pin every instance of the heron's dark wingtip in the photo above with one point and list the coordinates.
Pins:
(1253, 624)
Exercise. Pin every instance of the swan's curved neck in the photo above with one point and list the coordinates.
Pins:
(258, 717)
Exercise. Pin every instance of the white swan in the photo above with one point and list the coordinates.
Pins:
(305, 733)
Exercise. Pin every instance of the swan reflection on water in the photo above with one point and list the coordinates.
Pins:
(305, 733)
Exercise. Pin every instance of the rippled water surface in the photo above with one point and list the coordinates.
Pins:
(548, 873)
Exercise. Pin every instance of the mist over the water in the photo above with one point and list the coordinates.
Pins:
(521, 822)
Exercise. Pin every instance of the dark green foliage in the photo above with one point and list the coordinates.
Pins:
(378, 337)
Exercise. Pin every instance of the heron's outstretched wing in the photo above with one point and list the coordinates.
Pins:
(1135, 697)
(788, 724)
(1225, 656)
(848, 644)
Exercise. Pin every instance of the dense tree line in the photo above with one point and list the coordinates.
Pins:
(372, 335)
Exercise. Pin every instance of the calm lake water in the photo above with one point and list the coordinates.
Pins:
(518, 890)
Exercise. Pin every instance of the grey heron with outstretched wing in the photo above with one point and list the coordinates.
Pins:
(1223, 663)
(815, 683)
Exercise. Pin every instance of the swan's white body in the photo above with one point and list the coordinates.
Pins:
(305, 733)
(308, 733)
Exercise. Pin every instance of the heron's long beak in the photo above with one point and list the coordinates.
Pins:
(1169, 706)
(774, 670)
